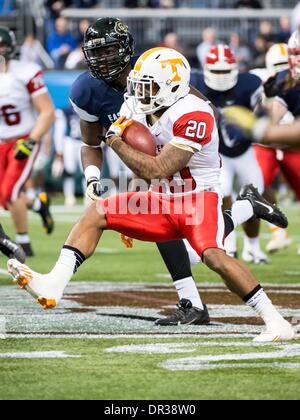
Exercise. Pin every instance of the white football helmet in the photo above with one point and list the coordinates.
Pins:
(159, 79)
(221, 70)
(294, 55)
(277, 58)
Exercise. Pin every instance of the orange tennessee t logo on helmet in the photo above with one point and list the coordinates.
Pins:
(174, 62)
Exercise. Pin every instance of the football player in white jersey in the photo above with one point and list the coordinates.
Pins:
(276, 61)
(189, 205)
(26, 114)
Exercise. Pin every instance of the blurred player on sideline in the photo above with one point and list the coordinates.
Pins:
(22, 95)
(285, 88)
(272, 161)
(222, 84)
(68, 143)
(186, 135)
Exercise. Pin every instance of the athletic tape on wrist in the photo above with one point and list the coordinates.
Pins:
(92, 172)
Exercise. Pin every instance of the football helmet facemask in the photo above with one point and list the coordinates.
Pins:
(108, 48)
(277, 58)
(8, 42)
(221, 69)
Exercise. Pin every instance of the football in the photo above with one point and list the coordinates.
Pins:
(139, 137)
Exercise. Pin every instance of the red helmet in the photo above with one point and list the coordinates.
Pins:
(221, 69)
(294, 55)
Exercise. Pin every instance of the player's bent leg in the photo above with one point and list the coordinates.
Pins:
(118, 213)
(48, 289)
(190, 310)
(249, 172)
(241, 281)
(252, 252)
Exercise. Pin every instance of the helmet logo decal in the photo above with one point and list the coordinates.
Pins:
(121, 28)
(174, 62)
(144, 56)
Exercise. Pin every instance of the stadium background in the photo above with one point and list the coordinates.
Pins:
(112, 365)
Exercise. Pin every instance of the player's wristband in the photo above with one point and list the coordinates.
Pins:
(92, 172)
(112, 142)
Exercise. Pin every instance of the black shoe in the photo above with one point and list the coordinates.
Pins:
(9, 248)
(186, 314)
(262, 208)
(45, 214)
(27, 249)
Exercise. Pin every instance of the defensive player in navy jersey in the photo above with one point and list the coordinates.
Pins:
(97, 97)
(222, 84)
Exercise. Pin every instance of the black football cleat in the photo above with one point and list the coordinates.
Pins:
(185, 314)
(45, 213)
(27, 248)
(262, 208)
(10, 249)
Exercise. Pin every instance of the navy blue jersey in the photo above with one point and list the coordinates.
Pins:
(290, 97)
(247, 93)
(72, 124)
(95, 101)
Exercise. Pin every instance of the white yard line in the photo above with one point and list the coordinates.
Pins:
(128, 336)
(38, 355)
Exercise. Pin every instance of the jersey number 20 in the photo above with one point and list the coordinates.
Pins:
(196, 130)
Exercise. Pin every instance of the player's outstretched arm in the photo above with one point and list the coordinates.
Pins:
(261, 130)
(46, 116)
(283, 135)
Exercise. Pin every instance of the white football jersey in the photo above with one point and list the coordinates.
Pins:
(189, 124)
(18, 86)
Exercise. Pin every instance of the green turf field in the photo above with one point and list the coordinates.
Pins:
(101, 350)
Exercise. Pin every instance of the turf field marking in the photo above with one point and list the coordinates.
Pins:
(292, 273)
(38, 355)
(164, 348)
(219, 366)
(107, 251)
(19, 336)
(3, 272)
(206, 362)
(92, 310)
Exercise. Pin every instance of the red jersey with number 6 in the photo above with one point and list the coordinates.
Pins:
(18, 86)
(188, 124)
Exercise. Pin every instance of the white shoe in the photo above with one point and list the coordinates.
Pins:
(277, 332)
(256, 256)
(42, 287)
(279, 240)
